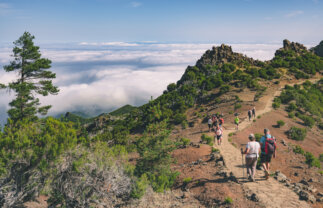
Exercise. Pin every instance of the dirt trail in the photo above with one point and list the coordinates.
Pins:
(270, 192)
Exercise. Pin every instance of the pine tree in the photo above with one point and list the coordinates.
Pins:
(33, 79)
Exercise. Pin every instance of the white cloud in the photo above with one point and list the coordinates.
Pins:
(107, 76)
(294, 13)
(136, 4)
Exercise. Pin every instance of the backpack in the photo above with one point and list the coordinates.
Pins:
(221, 121)
(249, 113)
(270, 146)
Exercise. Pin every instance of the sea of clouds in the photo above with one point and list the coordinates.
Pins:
(100, 77)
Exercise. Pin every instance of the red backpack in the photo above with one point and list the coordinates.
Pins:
(270, 145)
(221, 121)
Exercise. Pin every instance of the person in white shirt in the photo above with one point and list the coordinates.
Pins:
(252, 153)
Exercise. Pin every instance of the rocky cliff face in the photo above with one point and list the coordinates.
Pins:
(291, 46)
(318, 50)
(221, 55)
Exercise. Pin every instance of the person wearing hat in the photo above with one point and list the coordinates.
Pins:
(252, 153)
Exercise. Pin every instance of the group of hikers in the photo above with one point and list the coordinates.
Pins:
(252, 113)
(216, 123)
(266, 147)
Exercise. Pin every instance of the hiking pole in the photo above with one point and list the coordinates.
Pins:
(242, 162)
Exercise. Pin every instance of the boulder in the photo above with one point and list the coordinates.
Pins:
(306, 196)
(280, 177)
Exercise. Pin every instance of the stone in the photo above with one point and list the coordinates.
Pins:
(306, 196)
(320, 194)
(284, 142)
(280, 177)
(296, 174)
(319, 199)
(220, 163)
(313, 180)
(254, 197)
(304, 182)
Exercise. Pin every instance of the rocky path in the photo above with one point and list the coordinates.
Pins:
(270, 192)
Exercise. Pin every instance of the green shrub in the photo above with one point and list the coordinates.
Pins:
(308, 121)
(280, 123)
(291, 107)
(254, 120)
(258, 117)
(320, 125)
(228, 200)
(224, 89)
(230, 112)
(298, 150)
(207, 139)
(230, 134)
(276, 105)
(139, 188)
(237, 106)
(321, 157)
(185, 141)
(187, 180)
(297, 134)
(258, 137)
(215, 149)
(291, 115)
(312, 161)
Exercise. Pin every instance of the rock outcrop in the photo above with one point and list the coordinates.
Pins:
(221, 55)
(291, 46)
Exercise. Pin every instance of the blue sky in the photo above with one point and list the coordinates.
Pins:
(238, 21)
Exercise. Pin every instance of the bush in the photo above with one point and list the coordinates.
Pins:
(321, 157)
(237, 106)
(224, 89)
(308, 121)
(185, 141)
(228, 200)
(207, 139)
(291, 115)
(312, 161)
(280, 123)
(291, 107)
(230, 134)
(140, 186)
(320, 125)
(258, 117)
(254, 120)
(298, 150)
(297, 134)
(187, 180)
(258, 136)
(215, 149)
(276, 105)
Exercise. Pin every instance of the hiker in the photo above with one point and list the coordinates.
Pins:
(254, 112)
(210, 122)
(252, 153)
(249, 114)
(236, 121)
(221, 121)
(215, 121)
(268, 150)
(218, 134)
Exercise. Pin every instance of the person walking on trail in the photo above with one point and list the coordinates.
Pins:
(210, 122)
(221, 122)
(236, 122)
(218, 134)
(249, 114)
(268, 150)
(254, 112)
(252, 154)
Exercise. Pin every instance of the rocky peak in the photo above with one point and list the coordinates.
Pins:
(297, 47)
(220, 55)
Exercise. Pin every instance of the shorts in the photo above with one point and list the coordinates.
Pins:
(218, 137)
(210, 125)
(265, 158)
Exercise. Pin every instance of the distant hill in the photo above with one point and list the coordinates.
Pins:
(76, 118)
(318, 50)
(123, 110)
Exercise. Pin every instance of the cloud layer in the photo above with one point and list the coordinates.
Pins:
(100, 77)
